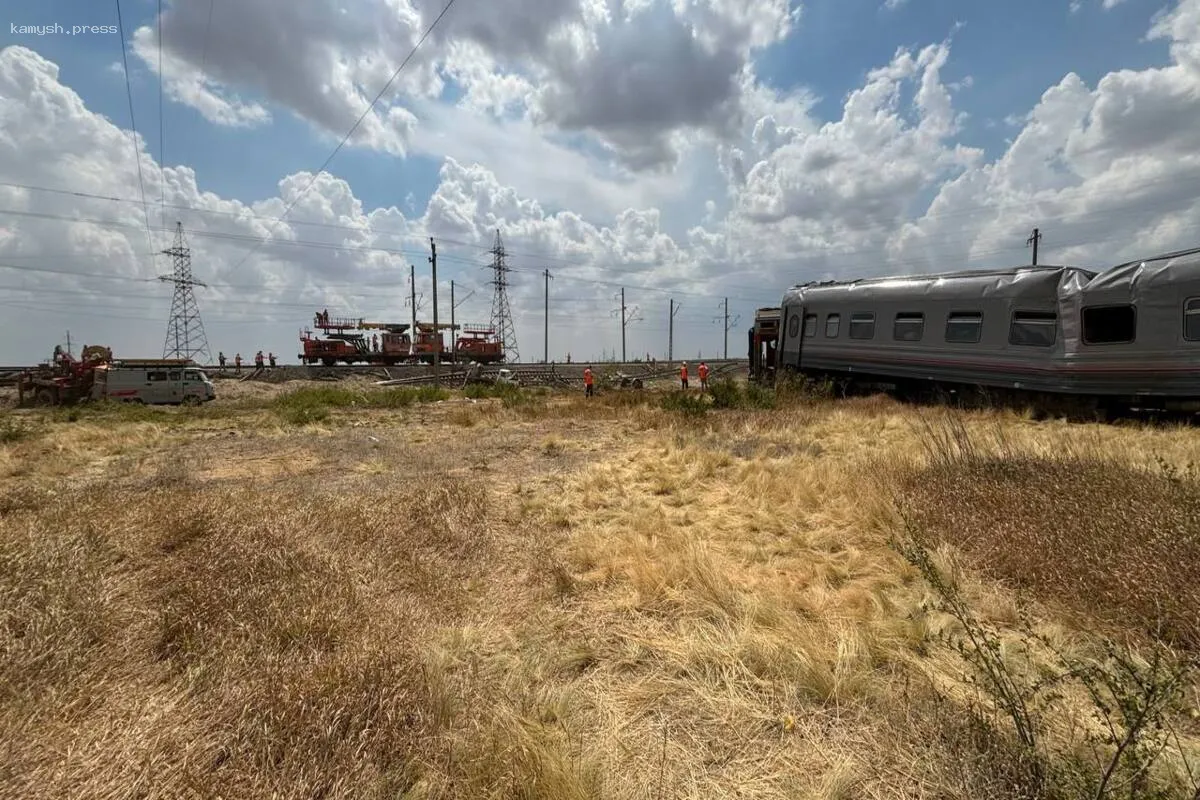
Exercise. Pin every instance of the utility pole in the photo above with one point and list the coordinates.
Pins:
(726, 328)
(626, 318)
(671, 332)
(725, 318)
(412, 278)
(437, 353)
(546, 332)
(622, 324)
(1033, 240)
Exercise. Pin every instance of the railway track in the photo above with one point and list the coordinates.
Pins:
(531, 370)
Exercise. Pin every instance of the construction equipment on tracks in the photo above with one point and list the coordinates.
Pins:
(348, 341)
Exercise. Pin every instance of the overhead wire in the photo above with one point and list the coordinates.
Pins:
(601, 266)
(207, 30)
(414, 253)
(354, 127)
(162, 145)
(137, 153)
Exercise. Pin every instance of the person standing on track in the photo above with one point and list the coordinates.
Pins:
(683, 376)
(237, 363)
(703, 370)
(587, 381)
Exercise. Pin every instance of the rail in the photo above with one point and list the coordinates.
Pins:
(571, 372)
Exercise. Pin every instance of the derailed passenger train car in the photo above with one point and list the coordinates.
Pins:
(1127, 337)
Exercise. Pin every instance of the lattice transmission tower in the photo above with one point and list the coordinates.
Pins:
(185, 331)
(502, 322)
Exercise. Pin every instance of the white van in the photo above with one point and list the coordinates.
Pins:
(153, 385)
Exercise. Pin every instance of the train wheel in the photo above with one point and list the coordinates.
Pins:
(329, 362)
(44, 397)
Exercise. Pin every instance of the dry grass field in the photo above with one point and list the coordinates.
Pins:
(338, 591)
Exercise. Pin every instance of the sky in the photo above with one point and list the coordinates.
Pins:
(703, 153)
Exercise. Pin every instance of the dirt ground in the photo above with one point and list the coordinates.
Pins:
(533, 596)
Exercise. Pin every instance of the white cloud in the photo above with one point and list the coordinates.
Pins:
(1106, 172)
(636, 80)
(755, 203)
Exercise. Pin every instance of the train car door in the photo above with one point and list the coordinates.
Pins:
(791, 331)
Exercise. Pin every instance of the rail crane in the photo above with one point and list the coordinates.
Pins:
(347, 341)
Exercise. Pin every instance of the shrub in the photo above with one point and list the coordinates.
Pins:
(308, 405)
(725, 394)
(689, 405)
(13, 430)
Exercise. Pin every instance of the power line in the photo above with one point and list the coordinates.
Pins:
(357, 122)
(137, 153)
(162, 176)
(598, 266)
(1119, 212)
(207, 29)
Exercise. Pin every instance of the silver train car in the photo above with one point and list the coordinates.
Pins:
(1128, 337)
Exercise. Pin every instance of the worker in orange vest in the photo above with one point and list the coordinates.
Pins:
(587, 381)
(683, 374)
(703, 370)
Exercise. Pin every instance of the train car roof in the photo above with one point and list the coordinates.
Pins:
(1150, 265)
(960, 275)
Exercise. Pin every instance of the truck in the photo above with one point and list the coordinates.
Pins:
(95, 375)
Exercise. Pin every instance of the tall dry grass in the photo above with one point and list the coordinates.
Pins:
(1108, 538)
(620, 601)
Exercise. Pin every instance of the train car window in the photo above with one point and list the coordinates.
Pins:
(964, 327)
(1033, 328)
(832, 323)
(1109, 324)
(1191, 320)
(908, 327)
(156, 376)
(862, 326)
(810, 325)
(175, 376)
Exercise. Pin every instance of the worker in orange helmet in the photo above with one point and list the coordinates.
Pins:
(703, 370)
(587, 381)
(683, 376)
